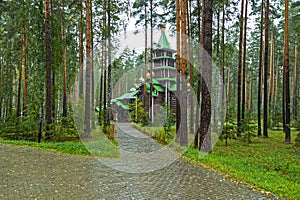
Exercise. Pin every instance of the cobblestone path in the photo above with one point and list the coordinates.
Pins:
(29, 173)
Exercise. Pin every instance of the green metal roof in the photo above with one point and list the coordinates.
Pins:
(119, 103)
(154, 81)
(164, 67)
(158, 88)
(153, 93)
(160, 57)
(163, 41)
(130, 95)
(166, 79)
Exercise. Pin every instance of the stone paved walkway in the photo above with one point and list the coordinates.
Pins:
(29, 173)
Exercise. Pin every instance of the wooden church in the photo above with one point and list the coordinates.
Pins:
(163, 84)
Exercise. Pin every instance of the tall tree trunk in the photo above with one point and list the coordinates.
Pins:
(271, 96)
(81, 50)
(244, 64)
(276, 83)
(64, 60)
(286, 73)
(250, 91)
(109, 87)
(104, 53)
(295, 96)
(145, 54)
(183, 121)
(178, 68)
(92, 73)
(20, 75)
(266, 71)
(196, 139)
(151, 107)
(228, 85)
(260, 70)
(239, 98)
(48, 69)
(216, 78)
(223, 44)
(190, 55)
(88, 71)
(25, 89)
(205, 136)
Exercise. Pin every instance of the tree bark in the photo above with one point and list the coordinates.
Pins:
(244, 64)
(260, 71)
(145, 55)
(286, 73)
(48, 70)
(190, 63)
(25, 89)
(178, 69)
(183, 121)
(109, 86)
(228, 85)
(239, 98)
(250, 91)
(81, 50)
(271, 96)
(20, 75)
(88, 70)
(266, 71)
(64, 60)
(295, 96)
(196, 139)
(205, 135)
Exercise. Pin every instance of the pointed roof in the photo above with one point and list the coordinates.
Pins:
(163, 41)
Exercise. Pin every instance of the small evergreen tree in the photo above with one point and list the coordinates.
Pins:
(248, 128)
(229, 129)
(137, 112)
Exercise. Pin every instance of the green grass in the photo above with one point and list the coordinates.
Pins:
(65, 147)
(267, 164)
(98, 146)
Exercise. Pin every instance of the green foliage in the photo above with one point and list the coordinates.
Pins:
(229, 129)
(64, 129)
(22, 128)
(65, 147)
(228, 132)
(98, 146)
(297, 140)
(137, 112)
(164, 118)
(248, 128)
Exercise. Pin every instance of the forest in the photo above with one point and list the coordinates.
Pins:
(55, 51)
(66, 66)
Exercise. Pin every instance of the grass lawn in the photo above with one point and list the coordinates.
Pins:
(98, 145)
(266, 163)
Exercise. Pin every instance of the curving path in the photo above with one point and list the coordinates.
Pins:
(29, 173)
